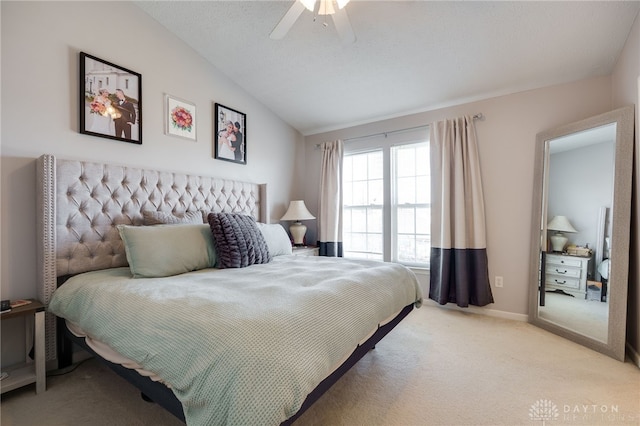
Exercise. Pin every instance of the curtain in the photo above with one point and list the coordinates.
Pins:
(330, 217)
(459, 265)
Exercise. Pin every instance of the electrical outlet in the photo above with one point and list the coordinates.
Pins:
(499, 281)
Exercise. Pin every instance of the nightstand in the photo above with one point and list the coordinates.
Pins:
(30, 371)
(568, 273)
(306, 251)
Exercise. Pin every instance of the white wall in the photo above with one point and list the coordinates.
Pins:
(580, 182)
(506, 141)
(40, 45)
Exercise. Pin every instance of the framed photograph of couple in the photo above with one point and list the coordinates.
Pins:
(110, 100)
(231, 135)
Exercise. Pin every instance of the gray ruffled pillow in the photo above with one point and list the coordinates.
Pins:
(238, 241)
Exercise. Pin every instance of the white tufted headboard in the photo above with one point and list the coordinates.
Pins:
(80, 203)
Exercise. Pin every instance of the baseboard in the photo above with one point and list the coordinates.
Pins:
(482, 311)
(423, 278)
(633, 355)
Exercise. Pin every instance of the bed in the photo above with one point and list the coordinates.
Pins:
(230, 327)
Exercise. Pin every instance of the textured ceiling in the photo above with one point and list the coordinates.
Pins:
(409, 56)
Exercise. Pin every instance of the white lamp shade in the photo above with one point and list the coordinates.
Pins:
(561, 223)
(297, 211)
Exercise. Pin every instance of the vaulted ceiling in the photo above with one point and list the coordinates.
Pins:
(409, 56)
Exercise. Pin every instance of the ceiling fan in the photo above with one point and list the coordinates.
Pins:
(326, 7)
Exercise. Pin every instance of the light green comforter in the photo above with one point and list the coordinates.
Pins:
(240, 346)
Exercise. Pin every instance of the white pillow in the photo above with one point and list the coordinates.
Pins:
(276, 238)
(164, 250)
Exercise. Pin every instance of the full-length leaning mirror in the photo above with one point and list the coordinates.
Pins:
(580, 231)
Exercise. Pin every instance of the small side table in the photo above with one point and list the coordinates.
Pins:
(306, 251)
(30, 371)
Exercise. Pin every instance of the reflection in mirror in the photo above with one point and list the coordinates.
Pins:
(581, 230)
(579, 164)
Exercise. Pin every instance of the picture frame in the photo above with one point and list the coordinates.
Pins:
(110, 101)
(229, 147)
(180, 118)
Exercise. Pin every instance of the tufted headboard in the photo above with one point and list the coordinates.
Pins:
(80, 203)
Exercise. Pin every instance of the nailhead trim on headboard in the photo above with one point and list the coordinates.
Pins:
(81, 203)
(46, 232)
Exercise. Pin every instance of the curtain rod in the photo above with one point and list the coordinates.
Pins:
(478, 116)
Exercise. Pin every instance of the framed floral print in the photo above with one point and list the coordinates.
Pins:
(230, 139)
(180, 118)
(110, 100)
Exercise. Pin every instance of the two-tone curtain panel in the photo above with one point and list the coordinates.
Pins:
(459, 266)
(330, 217)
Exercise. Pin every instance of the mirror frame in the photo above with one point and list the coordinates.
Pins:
(619, 270)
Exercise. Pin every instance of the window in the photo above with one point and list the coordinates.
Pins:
(386, 204)
(363, 199)
(410, 204)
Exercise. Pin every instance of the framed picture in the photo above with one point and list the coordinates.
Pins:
(110, 100)
(180, 118)
(230, 139)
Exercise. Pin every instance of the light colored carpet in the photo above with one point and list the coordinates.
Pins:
(587, 317)
(438, 367)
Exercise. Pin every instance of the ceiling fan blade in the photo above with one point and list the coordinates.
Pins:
(287, 21)
(343, 26)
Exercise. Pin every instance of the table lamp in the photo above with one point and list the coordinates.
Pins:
(559, 224)
(297, 211)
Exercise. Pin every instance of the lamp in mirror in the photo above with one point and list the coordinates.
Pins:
(297, 212)
(559, 224)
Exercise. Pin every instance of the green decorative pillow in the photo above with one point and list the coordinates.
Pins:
(165, 250)
(152, 217)
(238, 241)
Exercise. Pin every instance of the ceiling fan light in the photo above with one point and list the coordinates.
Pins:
(309, 4)
(342, 3)
(326, 7)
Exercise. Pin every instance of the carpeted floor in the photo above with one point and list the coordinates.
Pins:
(588, 317)
(438, 367)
